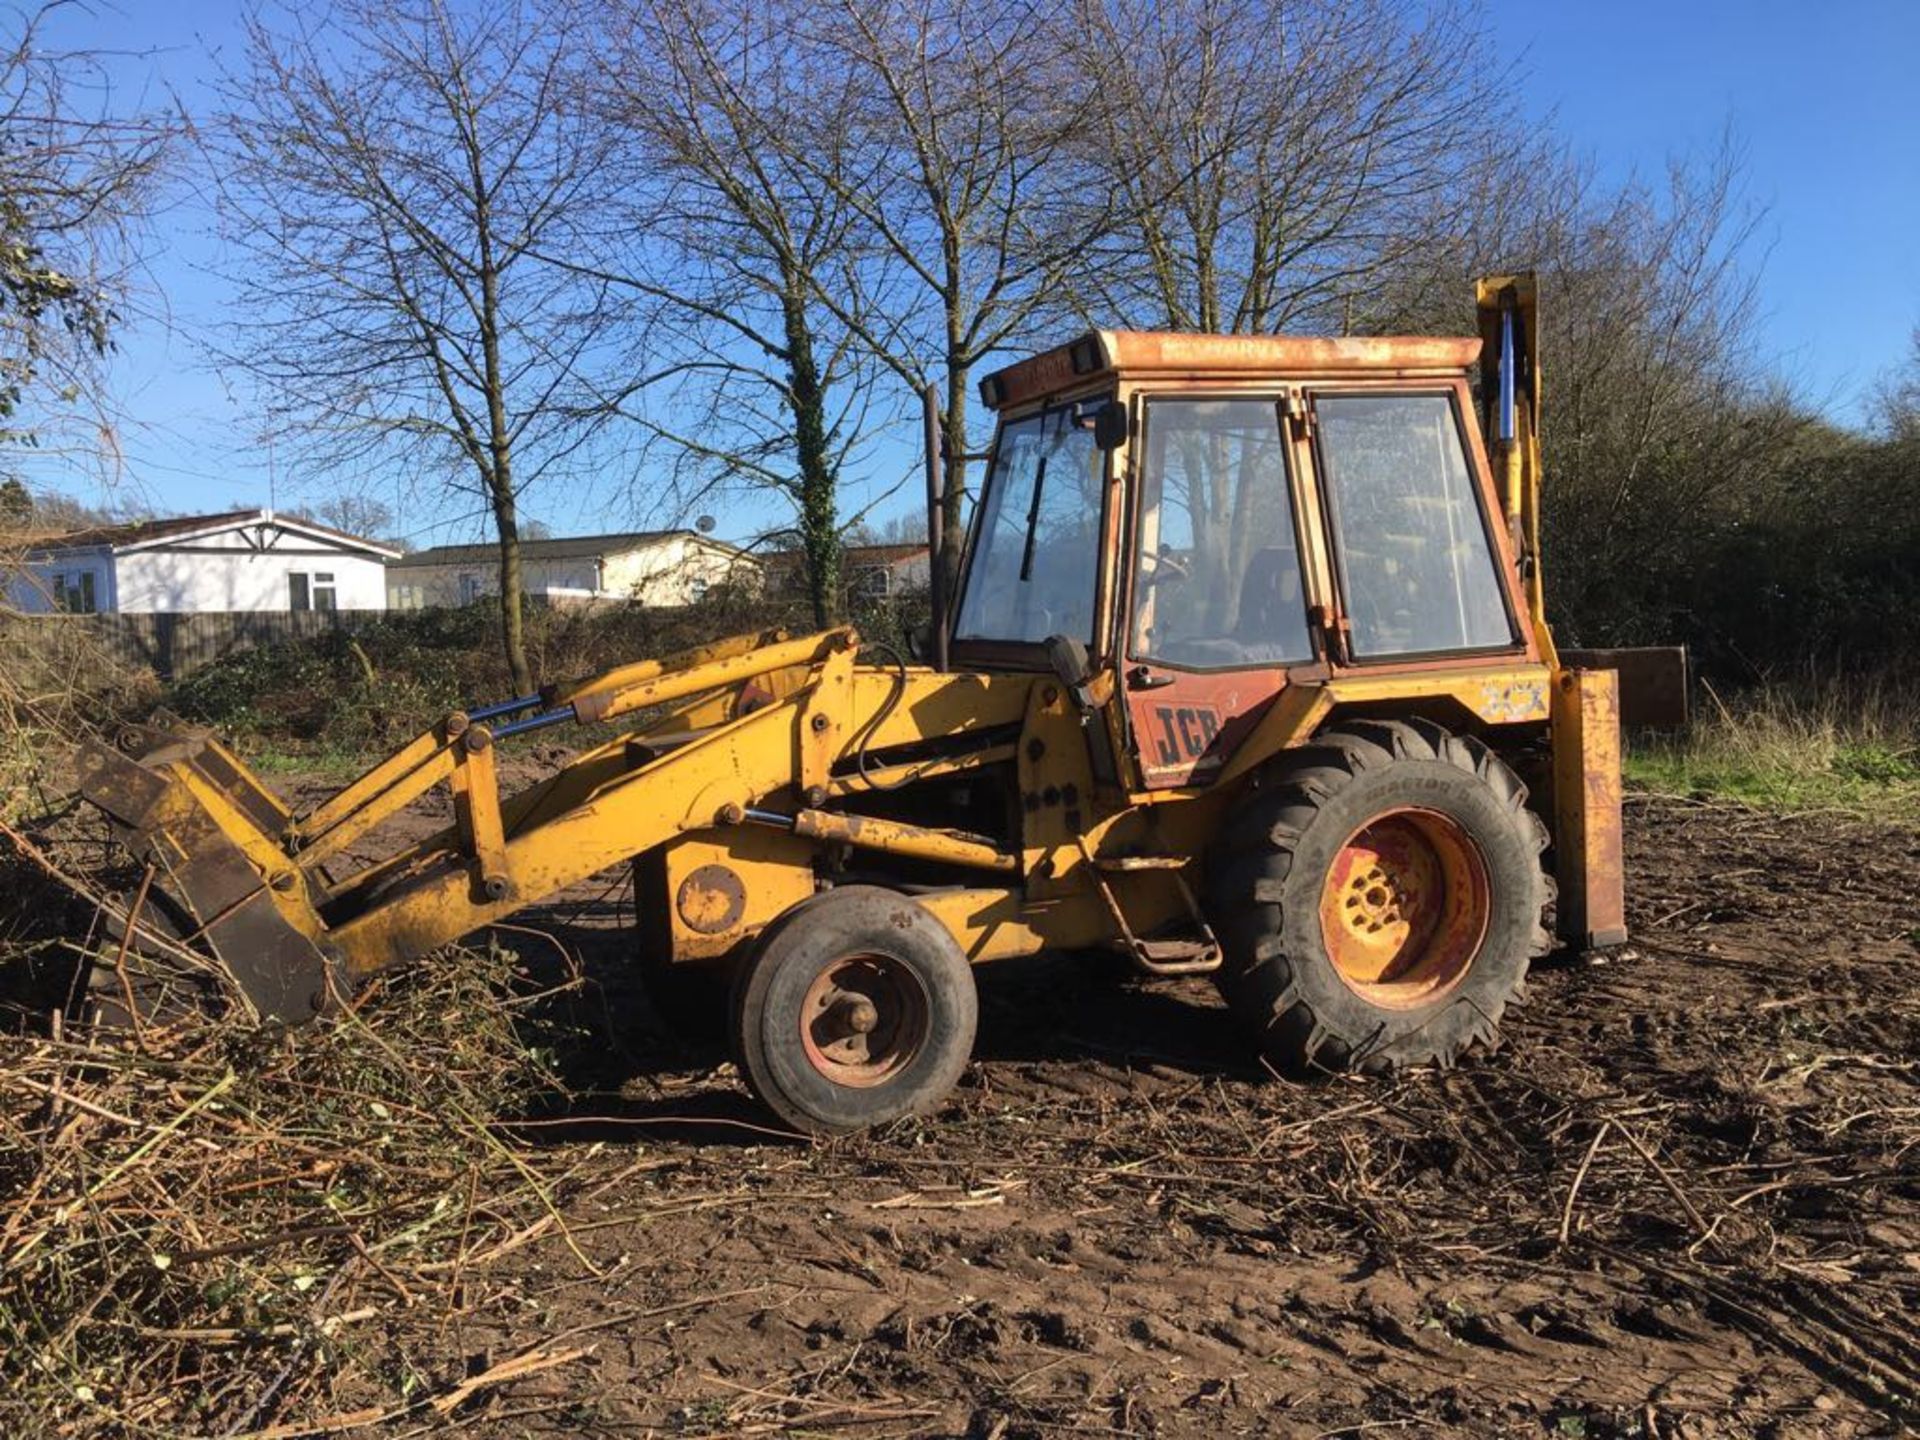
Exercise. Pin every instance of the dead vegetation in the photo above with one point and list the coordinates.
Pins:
(55, 682)
(200, 1231)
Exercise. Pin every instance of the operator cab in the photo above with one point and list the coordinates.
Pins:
(1217, 517)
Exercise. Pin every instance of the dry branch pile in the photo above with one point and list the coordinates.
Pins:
(208, 1233)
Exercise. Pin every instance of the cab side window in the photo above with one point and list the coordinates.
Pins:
(1217, 580)
(1415, 557)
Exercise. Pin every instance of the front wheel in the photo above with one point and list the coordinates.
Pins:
(856, 1007)
(1378, 898)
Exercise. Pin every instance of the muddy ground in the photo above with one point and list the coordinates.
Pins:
(1683, 1200)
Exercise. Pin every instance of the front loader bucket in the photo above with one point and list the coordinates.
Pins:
(208, 833)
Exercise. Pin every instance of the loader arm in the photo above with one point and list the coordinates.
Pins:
(743, 730)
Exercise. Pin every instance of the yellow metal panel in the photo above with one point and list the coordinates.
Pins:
(726, 885)
(1002, 924)
(1055, 790)
(826, 714)
(1295, 714)
(934, 704)
(278, 876)
(1499, 695)
(1586, 805)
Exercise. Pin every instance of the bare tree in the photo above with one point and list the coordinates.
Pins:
(968, 207)
(1280, 160)
(76, 179)
(1895, 402)
(736, 224)
(357, 514)
(1658, 407)
(397, 174)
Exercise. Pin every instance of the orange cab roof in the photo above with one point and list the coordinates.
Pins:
(1165, 354)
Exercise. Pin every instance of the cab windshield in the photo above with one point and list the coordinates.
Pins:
(1036, 554)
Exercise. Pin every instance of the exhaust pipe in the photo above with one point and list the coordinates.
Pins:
(936, 529)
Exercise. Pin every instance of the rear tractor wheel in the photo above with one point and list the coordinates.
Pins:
(855, 1008)
(1378, 898)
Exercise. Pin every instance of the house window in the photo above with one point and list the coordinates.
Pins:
(469, 588)
(73, 592)
(312, 591)
(697, 589)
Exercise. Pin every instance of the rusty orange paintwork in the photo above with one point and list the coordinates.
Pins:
(1404, 908)
(1145, 356)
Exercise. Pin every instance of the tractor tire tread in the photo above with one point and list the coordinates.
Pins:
(1304, 1025)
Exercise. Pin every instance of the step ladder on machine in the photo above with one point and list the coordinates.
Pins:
(1156, 955)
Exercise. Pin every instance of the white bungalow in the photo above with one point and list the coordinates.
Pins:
(246, 561)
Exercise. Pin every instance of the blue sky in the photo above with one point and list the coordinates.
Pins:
(1819, 101)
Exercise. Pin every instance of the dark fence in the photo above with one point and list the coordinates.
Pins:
(172, 646)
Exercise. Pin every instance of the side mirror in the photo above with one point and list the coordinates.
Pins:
(1108, 423)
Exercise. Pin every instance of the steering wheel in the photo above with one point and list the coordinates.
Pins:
(1166, 566)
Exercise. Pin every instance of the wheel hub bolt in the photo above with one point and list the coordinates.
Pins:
(861, 1017)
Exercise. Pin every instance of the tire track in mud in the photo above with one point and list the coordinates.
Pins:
(1123, 1225)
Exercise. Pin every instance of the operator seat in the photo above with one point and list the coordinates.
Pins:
(1270, 625)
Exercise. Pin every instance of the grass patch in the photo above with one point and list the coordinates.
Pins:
(1854, 749)
(317, 763)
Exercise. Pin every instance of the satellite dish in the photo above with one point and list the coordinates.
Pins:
(704, 524)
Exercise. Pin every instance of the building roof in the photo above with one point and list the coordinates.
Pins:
(566, 547)
(145, 534)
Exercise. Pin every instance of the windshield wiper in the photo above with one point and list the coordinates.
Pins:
(1033, 520)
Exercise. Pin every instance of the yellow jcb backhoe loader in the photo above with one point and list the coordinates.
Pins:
(1244, 667)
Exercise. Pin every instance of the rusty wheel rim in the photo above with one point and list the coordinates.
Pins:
(863, 1019)
(1405, 908)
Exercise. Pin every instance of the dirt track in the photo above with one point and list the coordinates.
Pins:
(1120, 1227)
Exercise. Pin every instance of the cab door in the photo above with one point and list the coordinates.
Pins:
(1422, 569)
(1217, 607)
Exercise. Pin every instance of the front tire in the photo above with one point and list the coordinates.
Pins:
(1378, 897)
(856, 1007)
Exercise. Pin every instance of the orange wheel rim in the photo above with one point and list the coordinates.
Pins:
(863, 1019)
(1405, 907)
